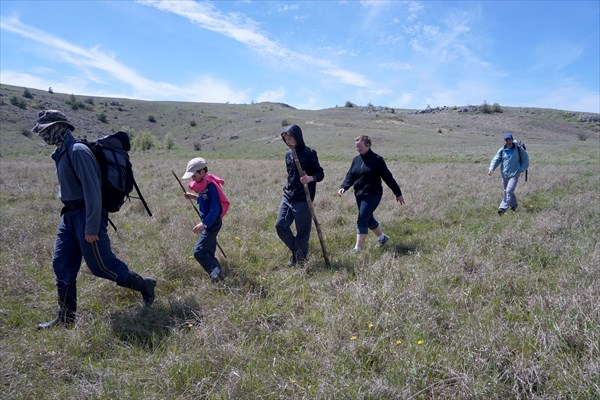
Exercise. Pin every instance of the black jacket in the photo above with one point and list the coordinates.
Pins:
(293, 190)
(366, 173)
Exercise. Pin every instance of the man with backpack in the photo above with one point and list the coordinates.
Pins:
(82, 231)
(515, 161)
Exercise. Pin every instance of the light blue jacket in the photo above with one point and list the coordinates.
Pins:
(79, 179)
(512, 164)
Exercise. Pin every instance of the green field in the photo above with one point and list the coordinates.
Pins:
(460, 304)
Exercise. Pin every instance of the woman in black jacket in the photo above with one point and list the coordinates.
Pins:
(365, 174)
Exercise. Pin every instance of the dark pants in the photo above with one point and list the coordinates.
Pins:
(71, 246)
(366, 207)
(205, 249)
(300, 213)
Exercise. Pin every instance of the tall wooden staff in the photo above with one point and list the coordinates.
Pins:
(310, 206)
(194, 207)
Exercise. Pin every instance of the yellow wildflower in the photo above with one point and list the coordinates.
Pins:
(420, 342)
(354, 338)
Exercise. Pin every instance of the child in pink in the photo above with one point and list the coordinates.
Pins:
(213, 205)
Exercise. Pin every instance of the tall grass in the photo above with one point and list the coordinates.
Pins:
(461, 304)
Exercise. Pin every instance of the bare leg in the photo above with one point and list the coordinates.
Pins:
(378, 231)
(360, 240)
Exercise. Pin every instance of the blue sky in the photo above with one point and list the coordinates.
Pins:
(310, 55)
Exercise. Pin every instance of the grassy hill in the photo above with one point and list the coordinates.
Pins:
(248, 131)
(461, 304)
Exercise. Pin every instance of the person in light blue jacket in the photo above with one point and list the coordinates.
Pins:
(514, 160)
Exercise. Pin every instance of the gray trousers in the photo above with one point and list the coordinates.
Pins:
(510, 200)
(300, 213)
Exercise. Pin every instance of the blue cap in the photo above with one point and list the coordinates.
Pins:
(508, 136)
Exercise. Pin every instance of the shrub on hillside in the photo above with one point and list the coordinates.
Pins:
(169, 141)
(143, 141)
(151, 118)
(102, 117)
(496, 108)
(349, 104)
(486, 108)
(15, 101)
(27, 94)
(74, 103)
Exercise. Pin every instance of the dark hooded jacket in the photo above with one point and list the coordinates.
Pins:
(293, 190)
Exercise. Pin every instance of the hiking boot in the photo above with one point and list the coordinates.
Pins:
(143, 285)
(513, 209)
(67, 308)
(356, 250)
(291, 262)
(501, 211)
(65, 318)
(383, 241)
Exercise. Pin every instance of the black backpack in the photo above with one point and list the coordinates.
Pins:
(112, 154)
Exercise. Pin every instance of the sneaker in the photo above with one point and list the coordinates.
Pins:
(219, 278)
(291, 262)
(383, 241)
(501, 211)
(513, 208)
(356, 250)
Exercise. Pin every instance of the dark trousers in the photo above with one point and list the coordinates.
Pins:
(294, 212)
(366, 207)
(71, 247)
(205, 248)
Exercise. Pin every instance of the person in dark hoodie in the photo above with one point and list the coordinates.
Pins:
(82, 230)
(294, 206)
(365, 174)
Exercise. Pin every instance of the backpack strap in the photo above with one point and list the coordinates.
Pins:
(137, 189)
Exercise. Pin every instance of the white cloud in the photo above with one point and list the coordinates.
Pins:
(275, 95)
(101, 67)
(404, 101)
(348, 77)
(246, 32)
(569, 96)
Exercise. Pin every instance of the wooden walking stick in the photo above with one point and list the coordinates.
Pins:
(310, 206)
(194, 207)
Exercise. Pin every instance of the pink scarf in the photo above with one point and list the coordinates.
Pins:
(201, 186)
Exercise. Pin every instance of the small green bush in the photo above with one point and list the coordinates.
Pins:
(102, 117)
(27, 94)
(285, 122)
(496, 108)
(192, 123)
(151, 118)
(349, 104)
(15, 101)
(169, 141)
(143, 141)
(486, 108)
